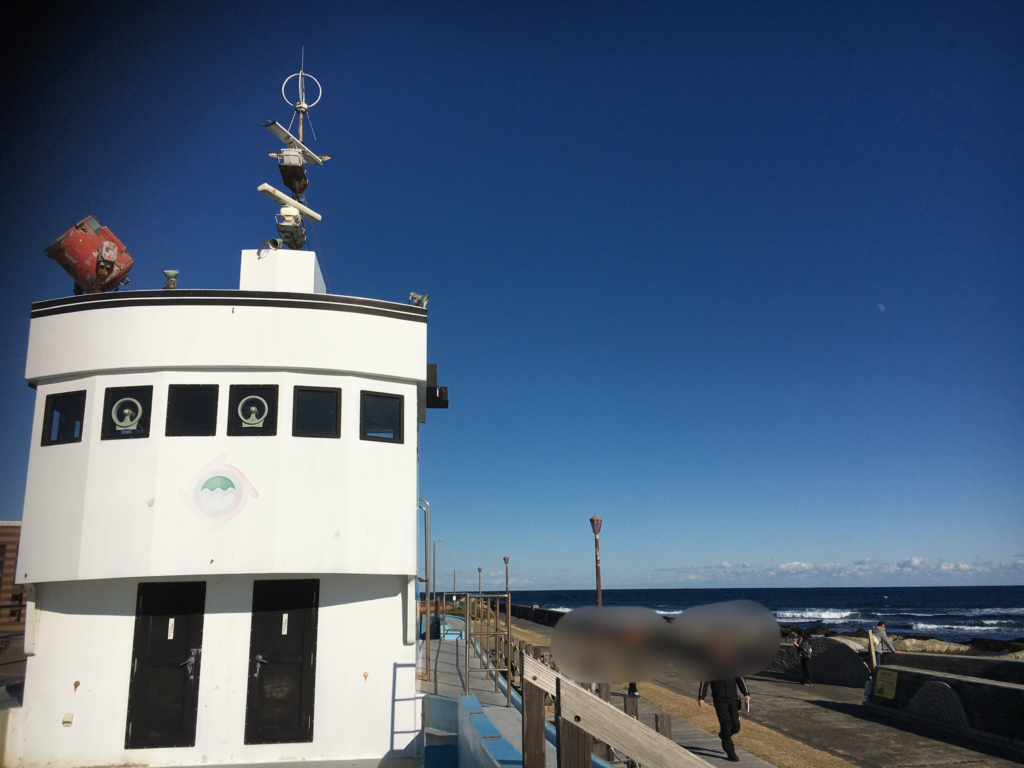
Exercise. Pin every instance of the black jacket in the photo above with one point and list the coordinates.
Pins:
(723, 690)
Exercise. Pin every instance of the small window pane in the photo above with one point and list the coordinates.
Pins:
(252, 410)
(316, 412)
(63, 418)
(192, 410)
(126, 412)
(381, 417)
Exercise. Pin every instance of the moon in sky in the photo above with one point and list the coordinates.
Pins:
(881, 307)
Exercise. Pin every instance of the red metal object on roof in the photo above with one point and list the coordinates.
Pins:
(89, 249)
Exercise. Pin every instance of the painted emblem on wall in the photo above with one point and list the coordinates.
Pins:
(126, 413)
(218, 492)
(249, 411)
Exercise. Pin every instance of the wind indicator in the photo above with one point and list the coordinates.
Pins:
(291, 162)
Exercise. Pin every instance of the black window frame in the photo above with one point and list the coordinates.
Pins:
(48, 410)
(401, 417)
(147, 414)
(274, 408)
(216, 410)
(295, 409)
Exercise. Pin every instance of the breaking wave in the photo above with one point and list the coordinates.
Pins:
(815, 613)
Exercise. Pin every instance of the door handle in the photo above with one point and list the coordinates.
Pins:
(259, 662)
(190, 664)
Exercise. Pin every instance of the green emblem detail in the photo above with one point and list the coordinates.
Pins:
(218, 483)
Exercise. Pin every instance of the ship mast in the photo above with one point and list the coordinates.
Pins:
(291, 161)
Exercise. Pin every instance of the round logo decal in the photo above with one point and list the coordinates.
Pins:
(218, 492)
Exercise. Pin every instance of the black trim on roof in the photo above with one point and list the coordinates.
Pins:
(190, 297)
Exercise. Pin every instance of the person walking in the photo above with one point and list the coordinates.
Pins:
(881, 639)
(725, 694)
(804, 650)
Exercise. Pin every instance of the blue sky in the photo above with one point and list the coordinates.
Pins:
(658, 239)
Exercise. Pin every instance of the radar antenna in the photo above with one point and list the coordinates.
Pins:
(292, 160)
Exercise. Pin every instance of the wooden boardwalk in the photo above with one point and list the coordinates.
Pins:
(447, 679)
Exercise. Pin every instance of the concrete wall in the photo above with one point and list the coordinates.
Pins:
(155, 330)
(85, 634)
(952, 701)
(985, 667)
(832, 662)
(126, 508)
(481, 745)
(543, 616)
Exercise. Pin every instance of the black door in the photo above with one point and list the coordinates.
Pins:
(282, 661)
(164, 690)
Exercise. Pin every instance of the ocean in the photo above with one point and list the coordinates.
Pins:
(954, 614)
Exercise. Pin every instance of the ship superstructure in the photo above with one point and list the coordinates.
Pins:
(219, 531)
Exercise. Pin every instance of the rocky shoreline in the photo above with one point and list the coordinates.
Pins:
(912, 643)
(919, 643)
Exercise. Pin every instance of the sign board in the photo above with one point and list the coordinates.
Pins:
(885, 684)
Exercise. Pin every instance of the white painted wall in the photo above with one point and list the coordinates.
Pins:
(113, 337)
(85, 633)
(122, 508)
(281, 270)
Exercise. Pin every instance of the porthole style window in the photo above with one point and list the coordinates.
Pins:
(63, 417)
(381, 417)
(192, 410)
(316, 412)
(252, 410)
(126, 412)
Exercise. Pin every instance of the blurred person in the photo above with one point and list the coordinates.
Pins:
(804, 650)
(880, 639)
(725, 694)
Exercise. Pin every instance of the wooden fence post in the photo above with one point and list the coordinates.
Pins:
(573, 741)
(631, 706)
(604, 690)
(663, 725)
(533, 723)
(871, 650)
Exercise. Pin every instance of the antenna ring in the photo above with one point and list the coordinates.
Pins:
(301, 100)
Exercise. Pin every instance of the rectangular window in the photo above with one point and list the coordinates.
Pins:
(381, 417)
(316, 412)
(252, 410)
(63, 418)
(126, 413)
(192, 410)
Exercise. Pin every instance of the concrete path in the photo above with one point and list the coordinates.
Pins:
(448, 668)
(447, 679)
(448, 663)
(831, 718)
(689, 736)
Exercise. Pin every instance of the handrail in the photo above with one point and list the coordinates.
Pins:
(604, 722)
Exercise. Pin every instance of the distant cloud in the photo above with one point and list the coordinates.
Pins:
(911, 570)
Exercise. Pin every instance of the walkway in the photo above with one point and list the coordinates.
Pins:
(447, 679)
(831, 718)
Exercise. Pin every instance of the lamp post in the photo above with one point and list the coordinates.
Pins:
(505, 558)
(479, 580)
(425, 506)
(595, 525)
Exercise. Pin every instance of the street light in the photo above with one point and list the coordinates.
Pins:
(505, 558)
(479, 579)
(595, 525)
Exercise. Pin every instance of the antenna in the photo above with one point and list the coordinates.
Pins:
(292, 160)
(301, 107)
